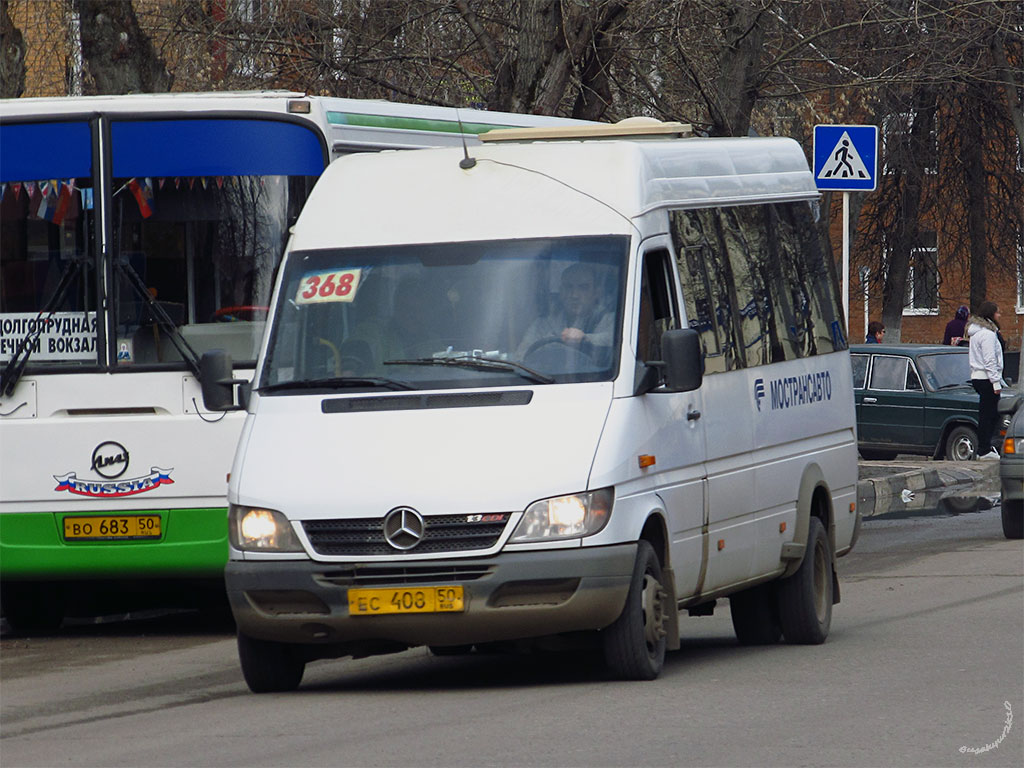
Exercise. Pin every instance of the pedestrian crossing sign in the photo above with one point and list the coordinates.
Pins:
(846, 157)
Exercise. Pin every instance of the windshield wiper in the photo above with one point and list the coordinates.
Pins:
(338, 382)
(479, 363)
(163, 320)
(954, 384)
(16, 365)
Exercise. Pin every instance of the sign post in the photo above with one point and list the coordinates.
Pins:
(846, 160)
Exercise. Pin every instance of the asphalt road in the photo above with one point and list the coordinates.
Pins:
(924, 667)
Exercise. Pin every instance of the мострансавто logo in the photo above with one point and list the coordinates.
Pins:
(793, 391)
(110, 461)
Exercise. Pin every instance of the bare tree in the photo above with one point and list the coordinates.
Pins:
(12, 56)
(119, 56)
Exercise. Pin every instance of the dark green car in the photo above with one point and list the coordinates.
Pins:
(918, 399)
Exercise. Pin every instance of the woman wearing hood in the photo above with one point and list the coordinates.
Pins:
(955, 327)
(986, 358)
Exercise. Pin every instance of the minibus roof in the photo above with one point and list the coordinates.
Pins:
(543, 188)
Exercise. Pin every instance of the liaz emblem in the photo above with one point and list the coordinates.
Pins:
(110, 462)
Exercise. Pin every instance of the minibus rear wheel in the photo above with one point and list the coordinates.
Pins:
(634, 646)
(805, 598)
(269, 667)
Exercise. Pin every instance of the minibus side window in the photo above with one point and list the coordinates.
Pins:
(658, 310)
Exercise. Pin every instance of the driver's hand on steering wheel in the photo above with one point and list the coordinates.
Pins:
(572, 336)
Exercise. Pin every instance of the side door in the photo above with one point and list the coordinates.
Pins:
(674, 422)
(891, 411)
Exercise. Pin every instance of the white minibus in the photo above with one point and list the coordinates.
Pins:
(558, 387)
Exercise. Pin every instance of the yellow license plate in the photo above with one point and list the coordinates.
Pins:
(377, 602)
(111, 527)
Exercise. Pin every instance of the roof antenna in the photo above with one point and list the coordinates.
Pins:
(466, 162)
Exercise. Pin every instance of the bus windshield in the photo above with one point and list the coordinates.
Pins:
(452, 315)
(197, 221)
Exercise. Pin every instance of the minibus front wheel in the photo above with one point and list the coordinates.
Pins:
(634, 645)
(269, 667)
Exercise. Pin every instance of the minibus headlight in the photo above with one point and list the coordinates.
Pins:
(565, 517)
(261, 530)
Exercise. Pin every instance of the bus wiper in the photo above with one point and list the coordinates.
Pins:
(163, 320)
(338, 382)
(16, 365)
(479, 363)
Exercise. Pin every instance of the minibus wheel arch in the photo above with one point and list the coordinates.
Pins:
(814, 498)
(655, 532)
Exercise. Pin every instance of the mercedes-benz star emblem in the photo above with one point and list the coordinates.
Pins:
(403, 528)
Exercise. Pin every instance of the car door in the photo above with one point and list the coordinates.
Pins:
(890, 411)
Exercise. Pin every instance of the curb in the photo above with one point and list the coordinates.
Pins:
(879, 495)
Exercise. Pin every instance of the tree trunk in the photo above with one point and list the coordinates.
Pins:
(974, 186)
(119, 57)
(736, 89)
(12, 56)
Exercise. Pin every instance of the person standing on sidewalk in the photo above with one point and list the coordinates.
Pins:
(986, 359)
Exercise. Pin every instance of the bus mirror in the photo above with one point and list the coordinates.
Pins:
(684, 364)
(218, 385)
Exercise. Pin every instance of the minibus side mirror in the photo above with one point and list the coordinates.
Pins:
(684, 361)
(217, 382)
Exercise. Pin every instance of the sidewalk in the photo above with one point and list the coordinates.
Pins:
(886, 486)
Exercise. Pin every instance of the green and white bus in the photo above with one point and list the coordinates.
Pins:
(136, 233)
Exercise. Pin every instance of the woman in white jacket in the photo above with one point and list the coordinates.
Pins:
(986, 357)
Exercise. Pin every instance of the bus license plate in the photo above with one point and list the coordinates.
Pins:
(377, 602)
(111, 527)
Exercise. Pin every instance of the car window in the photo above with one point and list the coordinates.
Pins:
(889, 372)
(913, 381)
(860, 370)
(945, 370)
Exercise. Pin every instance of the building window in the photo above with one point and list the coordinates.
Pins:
(895, 136)
(923, 279)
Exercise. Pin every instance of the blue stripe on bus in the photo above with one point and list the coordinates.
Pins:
(34, 151)
(215, 147)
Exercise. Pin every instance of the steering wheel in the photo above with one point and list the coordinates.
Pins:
(552, 355)
(229, 314)
(539, 343)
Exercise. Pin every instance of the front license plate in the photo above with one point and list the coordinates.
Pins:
(111, 527)
(376, 602)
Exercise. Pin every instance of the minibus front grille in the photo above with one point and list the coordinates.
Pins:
(441, 533)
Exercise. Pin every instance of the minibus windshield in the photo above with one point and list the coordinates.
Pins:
(450, 315)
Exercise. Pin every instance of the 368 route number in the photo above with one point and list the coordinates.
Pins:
(340, 285)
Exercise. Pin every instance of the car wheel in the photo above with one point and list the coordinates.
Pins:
(755, 615)
(1013, 519)
(634, 646)
(870, 454)
(961, 443)
(805, 598)
(269, 667)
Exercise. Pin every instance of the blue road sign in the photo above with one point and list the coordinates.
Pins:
(846, 157)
